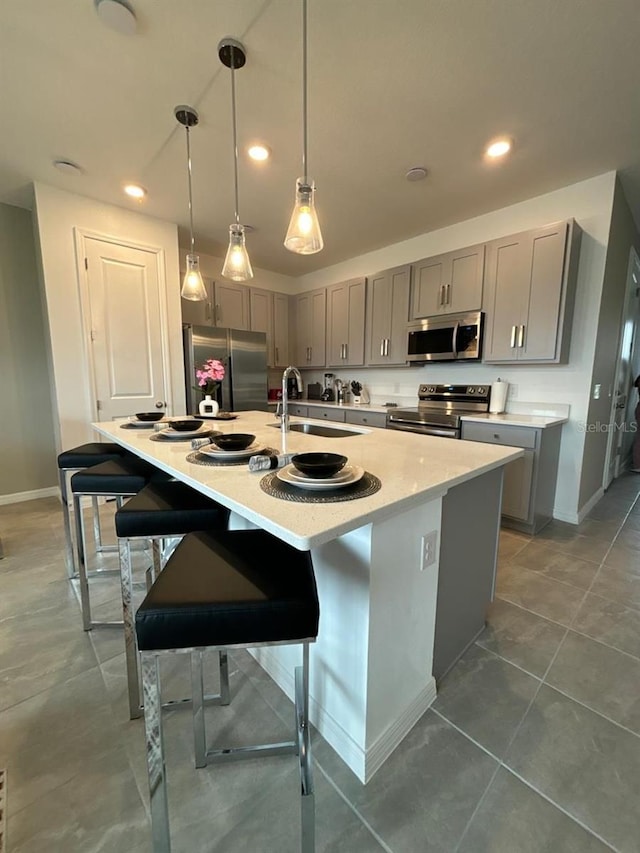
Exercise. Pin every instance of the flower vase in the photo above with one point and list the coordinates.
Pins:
(208, 406)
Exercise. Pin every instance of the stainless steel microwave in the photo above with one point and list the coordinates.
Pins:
(453, 337)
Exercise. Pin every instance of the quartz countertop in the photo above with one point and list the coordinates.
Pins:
(414, 469)
(361, 407)
(537, 421)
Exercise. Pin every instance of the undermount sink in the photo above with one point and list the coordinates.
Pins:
(320, 429)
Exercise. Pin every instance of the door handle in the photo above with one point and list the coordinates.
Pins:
(513, 337)
(520, 336)
(160, 404)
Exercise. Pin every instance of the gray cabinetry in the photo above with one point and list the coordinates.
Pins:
(328, 413)
(529, 482)
(298, 411)
(270, 314)
(345, 323)
(528, 294)
(232, 305)
(310, 324)
(369, 419)
(200, 313)
(387, 315)
(448, 284)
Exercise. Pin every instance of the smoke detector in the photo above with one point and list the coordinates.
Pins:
(117, 15)
(67, 167)
(416, 173)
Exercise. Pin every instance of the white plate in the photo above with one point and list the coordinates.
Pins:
(172, 434)
(284, 474)
(343, 474)
(216, 453)
(134, 422)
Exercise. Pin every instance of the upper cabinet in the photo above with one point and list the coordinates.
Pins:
(270, 314)
(387, 315)
(310, 320)
(345, 323)
(448, 284)
(528, 294)
(227, 305)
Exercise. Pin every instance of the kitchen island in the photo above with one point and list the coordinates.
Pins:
(423, 546)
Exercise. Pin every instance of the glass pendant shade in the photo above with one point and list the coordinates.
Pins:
(237, 265)
(303, 235)
(192, 284)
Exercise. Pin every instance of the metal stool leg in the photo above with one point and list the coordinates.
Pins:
(81, 564)
(155, 753)
(128, 617)
(307, 798)
(97, 532)
(197, 694)
(72, 571)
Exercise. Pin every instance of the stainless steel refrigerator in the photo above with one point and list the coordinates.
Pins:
(244, 355)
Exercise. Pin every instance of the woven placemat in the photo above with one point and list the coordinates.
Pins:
(198, 458)
(205, 433)
(150, 425)
(368, 485)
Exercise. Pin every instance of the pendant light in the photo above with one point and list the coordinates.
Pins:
(303, 235)
(193, 287)
(237, 265)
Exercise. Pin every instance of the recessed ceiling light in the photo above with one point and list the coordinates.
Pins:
(68, 167)
(417, 173)
(259, 152)
(135, 191)
(499, 147)
(117, 15)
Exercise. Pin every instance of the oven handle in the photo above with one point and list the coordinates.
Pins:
(440, 431)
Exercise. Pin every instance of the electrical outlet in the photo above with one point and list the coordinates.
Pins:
(429, 549)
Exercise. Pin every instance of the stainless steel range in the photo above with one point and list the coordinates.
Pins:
(440, 409)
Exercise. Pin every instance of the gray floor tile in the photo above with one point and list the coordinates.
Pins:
(621, 584)
(610, 622)
(603, 678)
(486, 698)
(623, 554)
(513, 817)
(510, 544)
(545, 559)
(549, 598)
(521, 637)
(583, 762)
(423, 796)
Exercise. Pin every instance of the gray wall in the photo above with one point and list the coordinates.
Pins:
(27, 450)
(622, 236)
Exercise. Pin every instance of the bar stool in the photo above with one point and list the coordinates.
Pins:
(233, 589)
(117, 478)
(76, 459)
(160, 510)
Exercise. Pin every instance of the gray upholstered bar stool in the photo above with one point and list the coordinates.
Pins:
(76, 459)
(117, 478)
(159, 511)
(234, 589)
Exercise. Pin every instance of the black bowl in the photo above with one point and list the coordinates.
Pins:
(233, 440)
(319, 465)
(149, 416)
(186, 425)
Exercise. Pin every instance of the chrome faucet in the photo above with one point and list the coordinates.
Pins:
(284, 416)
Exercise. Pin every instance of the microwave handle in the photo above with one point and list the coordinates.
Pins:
(455, 340)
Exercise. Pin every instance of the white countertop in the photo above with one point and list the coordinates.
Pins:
(361, 407)
(538, 421)
(414, 469)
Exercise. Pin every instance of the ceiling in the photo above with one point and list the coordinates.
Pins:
(392, 84)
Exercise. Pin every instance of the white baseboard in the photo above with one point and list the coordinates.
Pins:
(19, 497)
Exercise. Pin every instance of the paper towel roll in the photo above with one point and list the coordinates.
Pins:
(498, 396)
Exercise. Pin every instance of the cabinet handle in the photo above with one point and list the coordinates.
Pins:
(207, 310)
(441, 295)
(346, 351)
(277, 355)
(310, 354)
(217, 316)
(513, 336)
(447, 300)
(521, 336)
(382, 343)
(386, 346)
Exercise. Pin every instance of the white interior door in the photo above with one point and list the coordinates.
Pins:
(126, 330)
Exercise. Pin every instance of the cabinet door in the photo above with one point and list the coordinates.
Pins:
(199, 313)
(355, 326)
(429, 286)
(318, 331)
(261, 309)
(303, 330)
(337, 324)
(387, 316)
(546, 248)
(463, 290)
(280, 330)
(516, 488)
(232, 305)
(505, 293)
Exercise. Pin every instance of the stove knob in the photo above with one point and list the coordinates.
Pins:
(431, 390)
(481, 390)
(471, 390)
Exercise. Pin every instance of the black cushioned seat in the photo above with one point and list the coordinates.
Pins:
(115, 477)
(168, 509)
(90, 454)
(231, 587)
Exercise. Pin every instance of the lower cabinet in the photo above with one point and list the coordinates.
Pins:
(529, 485)
(328, 413)
(368, 419)
(298, 411)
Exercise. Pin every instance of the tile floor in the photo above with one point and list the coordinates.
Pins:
(533, 743)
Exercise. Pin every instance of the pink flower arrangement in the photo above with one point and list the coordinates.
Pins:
(209, 375)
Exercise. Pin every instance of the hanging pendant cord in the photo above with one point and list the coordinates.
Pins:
(189, 173)
(304, 90)
(235, 137)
